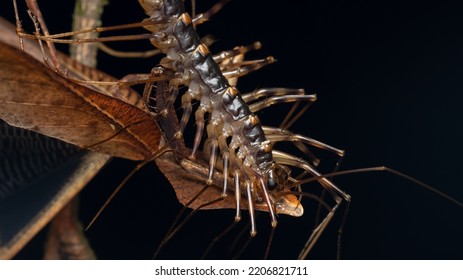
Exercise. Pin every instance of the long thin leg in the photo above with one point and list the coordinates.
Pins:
(287, 159)
(291, 118)
(213, 160)
(251, 209)
(237, 196)
(266, 92)
(225, 55)
(199, 114)
(269, 203)
(187, 109)
(277, 134)
(246, 67)
(254, 107)
(203, 17)
(34, 8)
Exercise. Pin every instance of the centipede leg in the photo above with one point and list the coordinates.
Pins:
(237, 196)
(187, 109)
(281, 99)
(203, 17)
(158, 74)
(199, 114)
(235, 52)
(271, 210)
(244, 68)
(251, 209)
(266, 92)
(286, 159)
(271, 92)
(278, 134)
(212, 160)
(226, 162)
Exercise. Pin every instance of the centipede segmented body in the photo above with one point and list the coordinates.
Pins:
(234, 133)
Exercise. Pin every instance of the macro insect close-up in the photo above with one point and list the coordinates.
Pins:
(386, 79)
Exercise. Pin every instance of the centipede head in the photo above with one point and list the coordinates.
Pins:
(278, 182)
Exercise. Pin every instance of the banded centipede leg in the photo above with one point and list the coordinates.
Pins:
(280, 95)
(244, 68)
(269, 92)
(281, 99)
(203, 17)
(286, 159)
(281, 92)
(237, 195)
(278, 134)
(300, 141)
(251, 202)
(235, 52)
(199, 116)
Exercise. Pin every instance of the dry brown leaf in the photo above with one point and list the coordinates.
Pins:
(42, 101)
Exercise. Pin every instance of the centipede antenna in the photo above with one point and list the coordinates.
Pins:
(383, 169)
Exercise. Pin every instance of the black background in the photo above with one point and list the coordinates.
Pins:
(388, 79)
